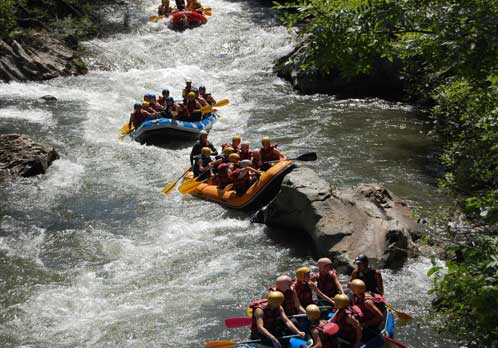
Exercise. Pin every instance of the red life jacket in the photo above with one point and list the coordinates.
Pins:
(240, 183)
(270, 316)
(270, 155)
(327, 340)
(139, 117)
(347, 331)
(326, 284)
(377, 300)
(304, 293)
(288, 305)
(223, 173)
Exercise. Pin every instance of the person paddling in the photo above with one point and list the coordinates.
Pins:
(372, 278)
(163, 98)
(138, 116)
(202, 170)
(305, 288)
(244, 177)
(203, 142)
(369, 304)
(291, 303)
(269, 153)
(186, 90)
(266, 319)
(206, 96)
(327, 280)
(169, 108)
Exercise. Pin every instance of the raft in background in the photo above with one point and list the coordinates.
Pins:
(259, 194)
(187, 19)
(166, 130)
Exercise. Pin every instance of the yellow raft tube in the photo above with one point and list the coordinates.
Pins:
(259, 194)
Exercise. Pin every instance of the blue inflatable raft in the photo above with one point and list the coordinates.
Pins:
(166, 130)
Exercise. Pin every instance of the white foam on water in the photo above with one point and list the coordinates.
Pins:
(39, 116)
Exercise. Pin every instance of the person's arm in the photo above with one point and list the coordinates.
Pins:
(380, 283)
(201, 167)
(337, 282)
(258, 315)
(192, 155)
(290, 324)
(357, 328)
(280, 155)
(377, 314)
(130, 122)
(354, 275)
(317, 342)
(214, 152)
(320, 294)
(300, 308)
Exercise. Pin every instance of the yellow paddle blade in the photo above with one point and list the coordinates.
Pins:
(125, 128)
(206, 109)
(222, 102)
(155, 18)
(167, 189)
(207, 13)
(189, 185)
(400, 315)
(216, 344)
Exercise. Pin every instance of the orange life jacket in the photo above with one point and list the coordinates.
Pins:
(304, 293)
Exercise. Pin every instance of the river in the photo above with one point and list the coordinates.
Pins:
(92, 255)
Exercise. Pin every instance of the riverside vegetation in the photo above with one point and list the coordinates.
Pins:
(448, 54)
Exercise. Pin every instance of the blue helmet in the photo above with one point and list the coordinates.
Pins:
(170, 99)
(146, 95)
(165, 91)
(195, 90)
(202, 87)
(137, 105)
(152, 95)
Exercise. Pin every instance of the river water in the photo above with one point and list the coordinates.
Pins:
(92, 255)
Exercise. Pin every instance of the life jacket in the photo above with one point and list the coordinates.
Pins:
(327, 340)
(270, 316)
(304, 293)
(223, 174)
(326, 284)
(288, 305)
(205, 162)
(245, 155)
(191, 106)
(270, 155)
(155, 106)
(369, 280)
(240, 183)
(139, 117)
(377, 300)
(347, 331)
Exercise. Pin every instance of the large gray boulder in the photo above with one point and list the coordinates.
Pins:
(20, 156)
(342, 224)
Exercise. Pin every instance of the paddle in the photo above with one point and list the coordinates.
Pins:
(208, 108)
(401, 315)
(217, 344)
(188, 186)
(306, 157)
(156, 18)
(125, 130)
(167, 189)
(232, 323)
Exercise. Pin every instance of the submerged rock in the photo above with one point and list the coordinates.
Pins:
(367, 219)
(383, 82)
(37, 57)
(20, 156)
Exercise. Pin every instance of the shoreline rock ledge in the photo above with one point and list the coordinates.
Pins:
(20, 156)
(367, 219)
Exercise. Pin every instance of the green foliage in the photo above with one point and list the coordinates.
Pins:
(7, 17)
(467, 292)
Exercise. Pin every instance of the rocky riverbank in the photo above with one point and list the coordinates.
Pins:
(367, 219)
(21, 156)
(384, 81)
(38, 56)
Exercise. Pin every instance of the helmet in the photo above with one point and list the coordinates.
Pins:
(358, 285)
(301, 272)
(191, 94)
(145, 104)
(146, 96)
(236, 137)
(245, 163)
(233, 157)
(202, 87)
(195, 90)
(188, 81)
(341, 301)
(227, 150)
(165, 90)
(265, 140)
(170, 99)
(313, 312)
(206, 151)
(361, 258)
(275, 298)
(203, 132)
(324, 261)
(152, 95)
(137, 105)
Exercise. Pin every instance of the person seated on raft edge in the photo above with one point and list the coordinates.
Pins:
(257, 162)
(186, 90)
(206, 96)
(202, 170)
(153, 104)
(267, 320)
(138, 116)
(169, 108)
(203, 142)
(164, 97)
(244, 177)
(164, 9)
(235, 144)
(371, 277)
(305, 288)
(291, 305)
(269, 153)
(372, 307)
(191, 110)
(199, 98)
(327, 279)
(151, 113)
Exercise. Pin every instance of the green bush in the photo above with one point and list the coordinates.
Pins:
(7, 17)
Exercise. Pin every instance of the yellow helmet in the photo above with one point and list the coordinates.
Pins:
(206, 151)
(313, 312)
(191, 94)
(236, 138)
(234, 157)
(145, 104)
(341, 301)
(227, 150)
(275, 298)
(265, 140)
(301, 272)
(357, 285)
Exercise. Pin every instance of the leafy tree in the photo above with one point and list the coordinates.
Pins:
(7, 17)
